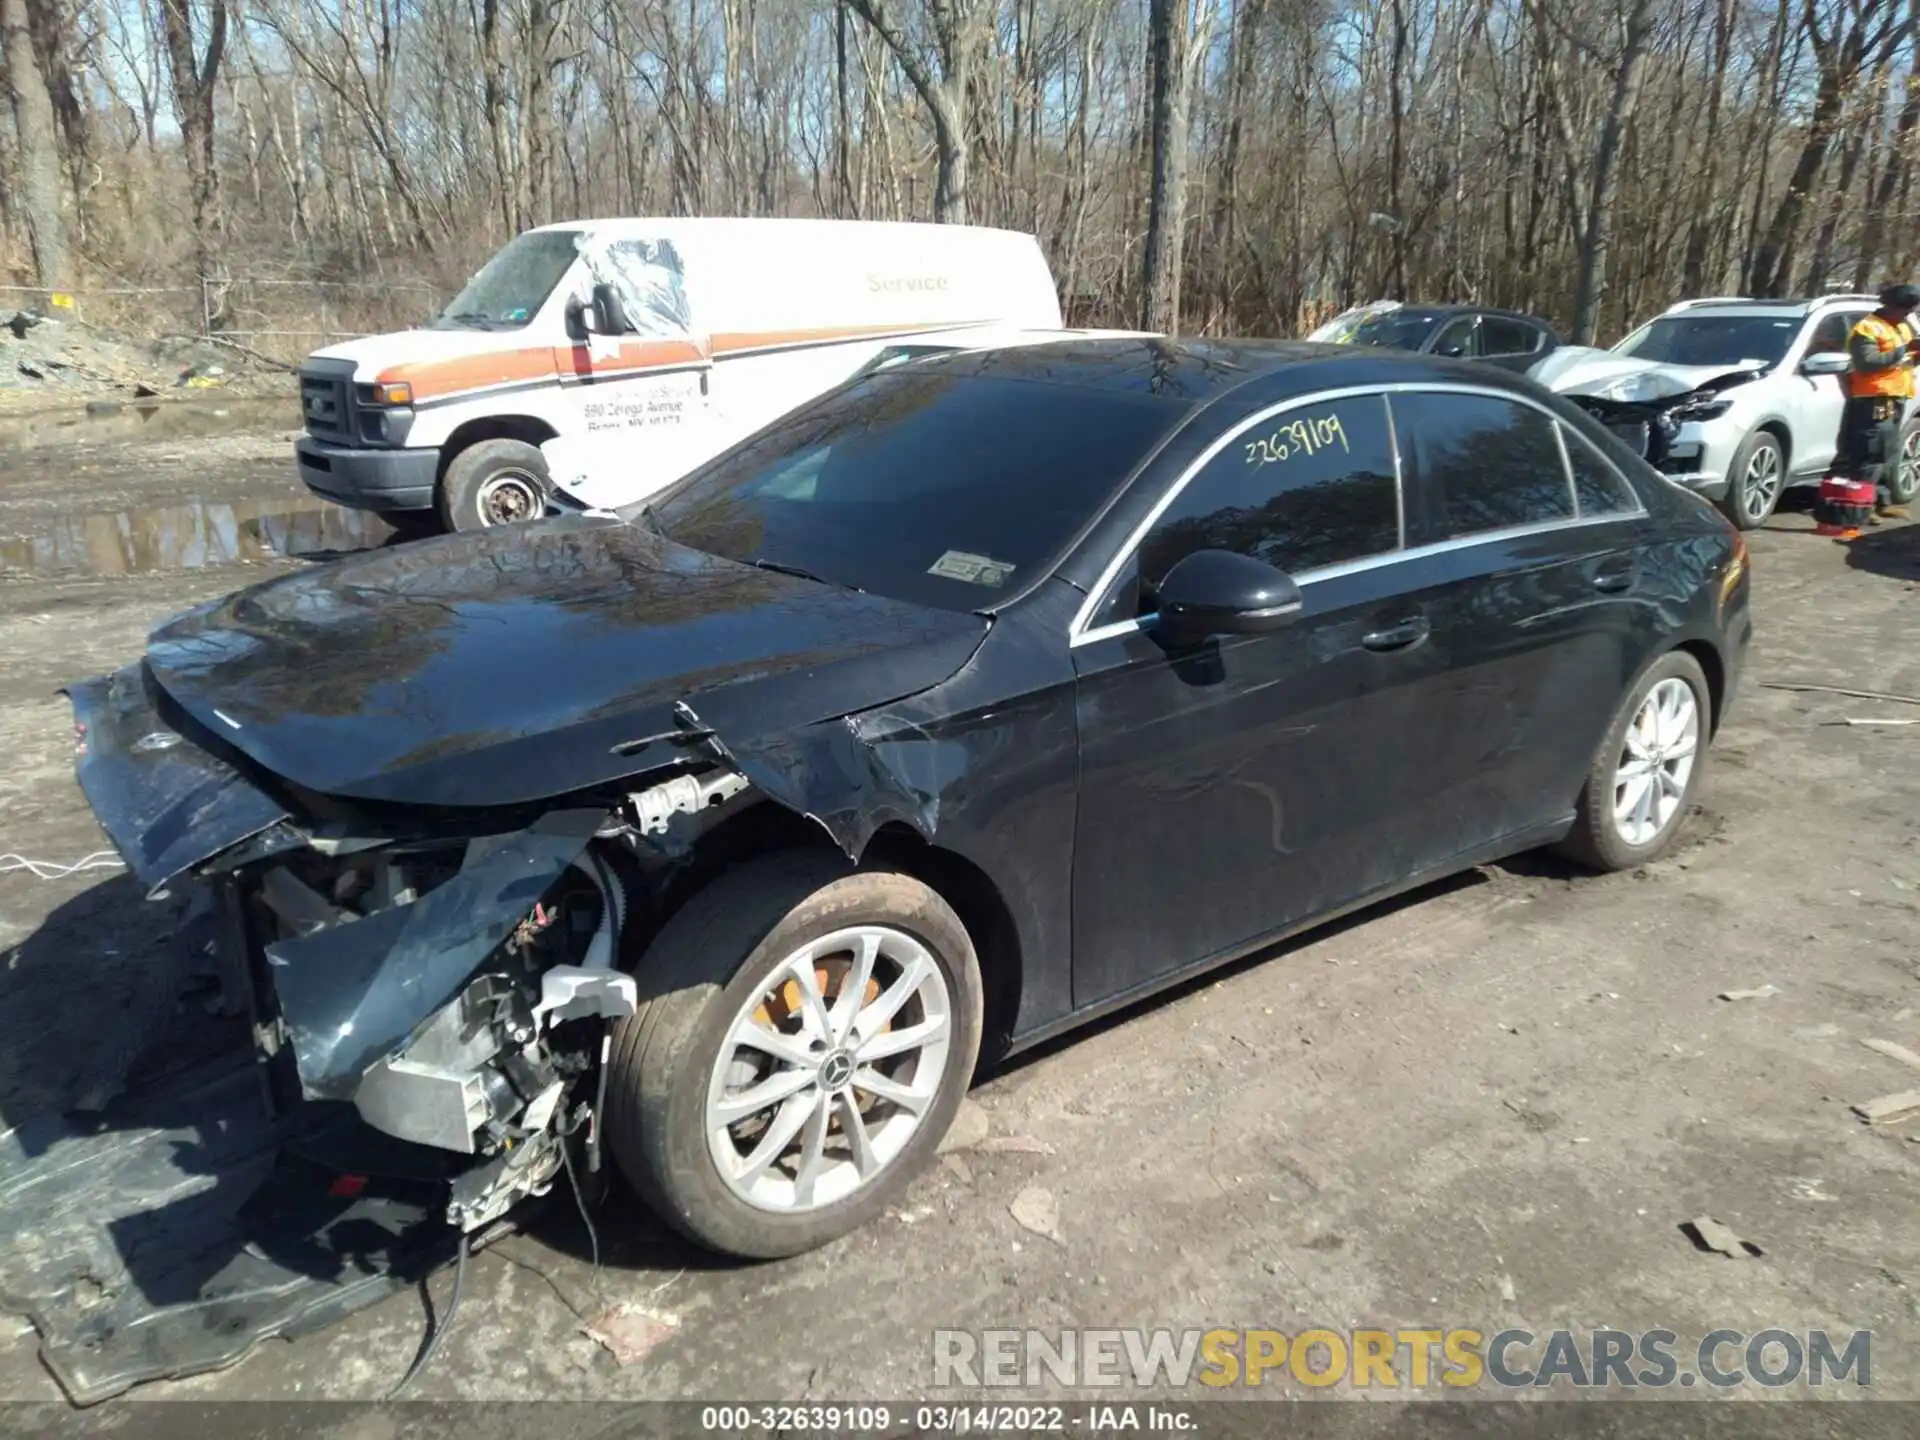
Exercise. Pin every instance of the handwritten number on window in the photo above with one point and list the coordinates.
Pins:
(1307, 436)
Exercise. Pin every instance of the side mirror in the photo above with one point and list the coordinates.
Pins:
(609, 315)
(1826, 362)
(1221, 592)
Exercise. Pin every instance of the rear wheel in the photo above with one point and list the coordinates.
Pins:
(494, 482)
(1754, 480)
(805, 1040)
(1647, 770)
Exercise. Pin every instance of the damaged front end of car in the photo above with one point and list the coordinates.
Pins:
(445, 980)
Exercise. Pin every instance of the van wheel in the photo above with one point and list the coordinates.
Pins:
(1648, 768)
(804, 1039)
(494, 482)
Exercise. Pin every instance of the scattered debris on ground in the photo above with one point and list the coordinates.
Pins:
(628, 1331)
(1888, 1107)
(1710, 1234)
(1035, 1209)
(1764, 992)
(969, 1128)
(1893, 1052)
(48, 361)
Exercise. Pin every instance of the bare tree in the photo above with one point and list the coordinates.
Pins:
(938, 69)
(39, 152)
(195, 72)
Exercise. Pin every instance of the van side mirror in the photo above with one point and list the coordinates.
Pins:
(1222, 592)
(577, 319)
(609, 315)
(1826, 362)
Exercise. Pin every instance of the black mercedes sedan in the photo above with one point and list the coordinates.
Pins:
(976, 698)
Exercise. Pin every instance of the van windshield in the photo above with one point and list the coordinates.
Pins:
(512, 286)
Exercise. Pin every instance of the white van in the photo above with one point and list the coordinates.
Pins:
(593, 362)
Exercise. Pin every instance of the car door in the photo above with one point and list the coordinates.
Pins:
(1242, 785)
(638, 404)
(1534, 570)
(1458, 339)
(1817, 401)
(1510, 342)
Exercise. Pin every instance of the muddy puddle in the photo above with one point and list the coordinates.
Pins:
(110, 422)
(192, 536)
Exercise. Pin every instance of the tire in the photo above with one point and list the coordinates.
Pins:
(1906, 475)
(1748, 501)
(494, 482)
(1599, 839)
(700, 981)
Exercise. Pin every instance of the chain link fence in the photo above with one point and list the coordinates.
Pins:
(283, 320)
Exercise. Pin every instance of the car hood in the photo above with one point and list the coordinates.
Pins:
(517, 664)
(1603, 375)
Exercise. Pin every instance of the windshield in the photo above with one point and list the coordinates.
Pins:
(514, 284)
(941, 489)
(1712, 339)
(1394, 330)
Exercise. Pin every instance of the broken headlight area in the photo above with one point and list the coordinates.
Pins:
(451, 992)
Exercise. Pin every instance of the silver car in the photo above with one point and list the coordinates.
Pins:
(1735, 398)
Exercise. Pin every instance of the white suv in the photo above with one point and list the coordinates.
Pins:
(1734, 398)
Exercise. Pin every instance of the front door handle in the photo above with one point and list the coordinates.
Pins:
(1404, 635)
(1615, 578)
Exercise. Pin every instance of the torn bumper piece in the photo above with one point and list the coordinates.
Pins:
(165, 802)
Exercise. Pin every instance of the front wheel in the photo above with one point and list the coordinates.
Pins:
(1906, 475)
(1647, 770)
(805, 1039)
(1754, 480)
(494, 482)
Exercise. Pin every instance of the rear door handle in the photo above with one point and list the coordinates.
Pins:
(1615, 578)
(1407, 633)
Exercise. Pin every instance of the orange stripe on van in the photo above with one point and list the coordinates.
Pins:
(435, 379)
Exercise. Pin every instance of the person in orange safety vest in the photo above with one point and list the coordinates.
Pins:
(1884, 350)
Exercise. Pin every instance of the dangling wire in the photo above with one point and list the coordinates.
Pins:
(580, 1200)
(440, 1326)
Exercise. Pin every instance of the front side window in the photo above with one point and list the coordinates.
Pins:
(650, 280)
(1500, 335)
(1303, 489)
(1832, 331)
(510, 288)
(1487, 463)
(1457, 339)
(1395, 329)
(943, 489)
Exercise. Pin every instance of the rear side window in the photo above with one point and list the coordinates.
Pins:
(1600, 489)
(1486, 463)
(1303, 489)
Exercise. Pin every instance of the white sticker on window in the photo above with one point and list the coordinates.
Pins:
(974, 569)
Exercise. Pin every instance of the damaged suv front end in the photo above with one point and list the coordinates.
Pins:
(1682, 418)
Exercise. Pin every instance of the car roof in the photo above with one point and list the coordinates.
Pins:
(1202, 372)
(1456, 308)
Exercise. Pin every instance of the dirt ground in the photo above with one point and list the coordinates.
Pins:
(1492, 1104)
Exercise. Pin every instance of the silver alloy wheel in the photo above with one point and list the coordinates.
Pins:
(1761, 483)
(1909, 478)
(1650, 782)
(828, 1069)
(508, 496)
